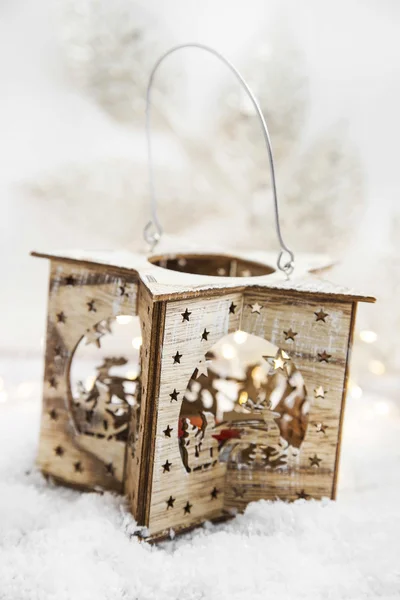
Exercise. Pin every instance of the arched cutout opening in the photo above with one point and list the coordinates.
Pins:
(246, 404)
(105, 379)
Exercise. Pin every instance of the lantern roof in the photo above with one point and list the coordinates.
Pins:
(172, 281)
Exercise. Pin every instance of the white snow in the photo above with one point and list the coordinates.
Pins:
(60, 544)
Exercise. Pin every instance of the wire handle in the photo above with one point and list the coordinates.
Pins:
(153, 230)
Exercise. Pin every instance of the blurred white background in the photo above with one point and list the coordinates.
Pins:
(73, 158)
(73, 175)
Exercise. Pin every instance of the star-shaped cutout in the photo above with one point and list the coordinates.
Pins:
(290, 334)
(93, 336)
(187, 507)
(314, 461)
(104, 326)
(324, 357)
(177, 358)
(321, 427)
(167, 431)
(166, 466)
(78, 467)
(57, 352)
(53, 383)
(239, 492)
(256, 308)
(53, 414)
(174, 395)
(321, 315)
(110, 470)
(232, 308)
(202, 368)
(170, 502)
(319, 392)
(186, 315)
(91, 306)
(70, 280)
(280, 360)
(205, 334)
(61, 318)
(214, 494)
(59, 450)
(302, 495)
(279, 363)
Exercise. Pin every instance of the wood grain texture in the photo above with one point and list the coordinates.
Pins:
(310, 473)
(185, 337)
(166, 284)
(64, 452)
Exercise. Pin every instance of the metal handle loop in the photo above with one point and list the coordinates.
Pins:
(153, 230)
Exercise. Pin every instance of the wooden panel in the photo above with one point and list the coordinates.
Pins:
(178, 498)
(316, 335)
(79, 298)
(319, 349)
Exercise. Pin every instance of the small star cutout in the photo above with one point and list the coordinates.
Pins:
(232, 308)
(166, 466)
(91, 306)
(53, 383)
(321, 427)
(186, 315)
(174, 395)
(104, 326)
(61, 318)
(239, 492)
(70, 280)
(302, 495)
(167, 432)
(214, 494)
(324, 357)
(279, 363)
(256, 308)
(78, 467)
(177, 358)
(53, 414)
(93, 336)
(319, 392)
(290, 334)
(314, 461)
(202, 368)
(170, 502)
(110, 469)
(205, 334)
(187, 507)
(321, 315)
(57, 352)
(59, 451)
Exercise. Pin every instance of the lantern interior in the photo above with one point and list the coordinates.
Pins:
(212, 264)
(104, 385)
(249, 409)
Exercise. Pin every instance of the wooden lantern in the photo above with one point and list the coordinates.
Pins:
(180, 444)
(174, 472)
